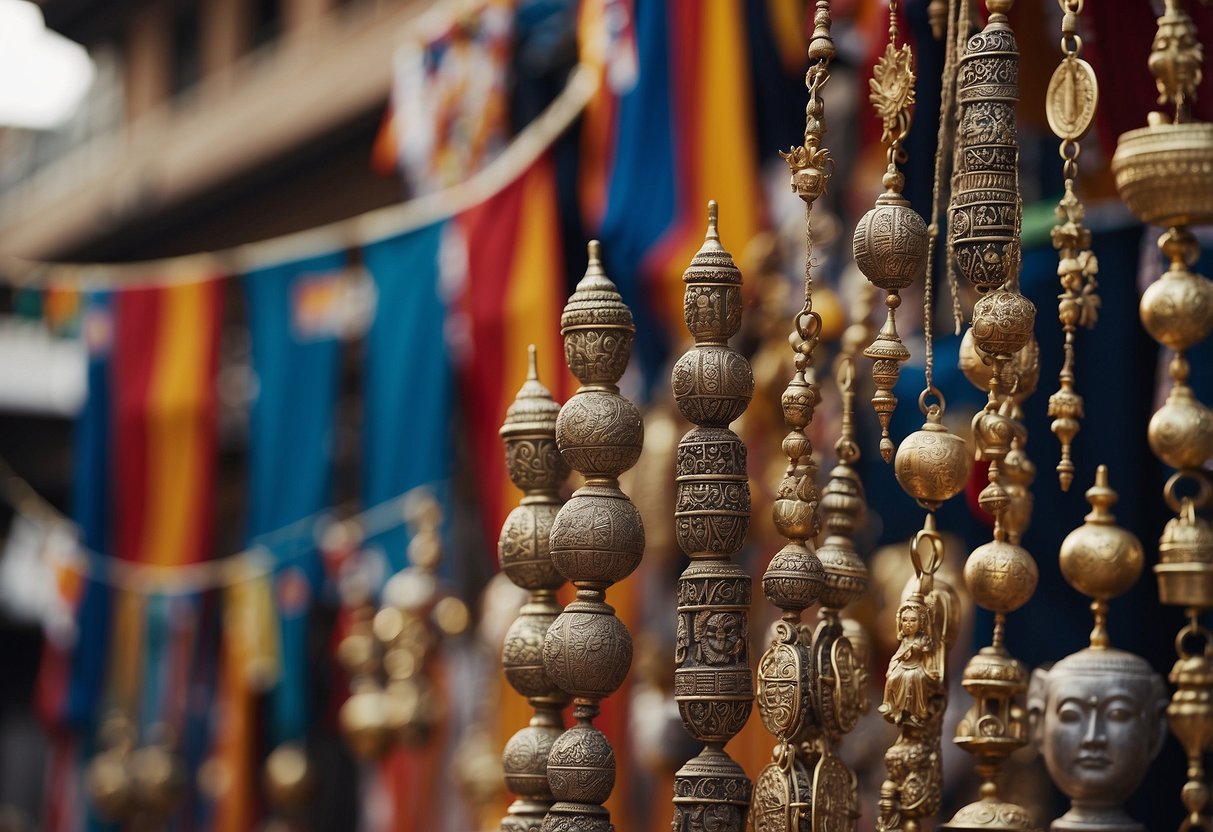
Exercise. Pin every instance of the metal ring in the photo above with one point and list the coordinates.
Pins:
(1193, 628)
(936, 552)
(931, 390)
(1203, 490)
(813, 328)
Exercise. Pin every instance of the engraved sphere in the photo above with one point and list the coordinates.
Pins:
(581, 766)
(1001, 576)
(587, 654)
(1101, 561)
(525, 760)
(523, 547)
(1002, 322)
(600, 433)
(522, 655)
(712, 384)
(932, 464)
(535, 462)
(597, 537)
(845, 575)
(1025, 366)
(794, 578)
(1181, 431)
(890, 246)
(1177, 309)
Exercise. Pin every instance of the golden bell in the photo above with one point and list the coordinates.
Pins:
(933, 464)
(1185, 568)
(1164, 173)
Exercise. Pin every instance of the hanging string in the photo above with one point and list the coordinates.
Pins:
(241, 567)
(524, 150)
(957, 25)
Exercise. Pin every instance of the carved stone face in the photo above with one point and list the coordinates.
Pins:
(1098, 718)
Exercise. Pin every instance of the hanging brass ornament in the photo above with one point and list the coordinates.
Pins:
(1070, 105)
(1164, 173)
(535, 465)
(890, 243)
(597, 539)
(1097, 715)
(141, 785)
(795, 791)
(289, 779)
(713, 683)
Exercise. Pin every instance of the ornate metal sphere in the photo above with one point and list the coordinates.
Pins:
(1099, 558)
(712, 384)
(1001, 576)
(523, 546)
(1025, 365)
(1181, 431)
(1002, 322)
(845, 577)
(522, 654)
(600, 434)
(581, 765)
(1177, 309)
(526, 760)
(932, 464)
(597, 537)
(890, 243)
(288, 776)
(798, 401)
(794, 578)
(587, 654)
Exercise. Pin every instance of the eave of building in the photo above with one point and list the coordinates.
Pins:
(307, 85)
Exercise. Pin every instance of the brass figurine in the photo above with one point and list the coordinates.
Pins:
(794, 791)
(597, 539)
(536, 466)
(1070, 105)
(1164, 173)
(890, 243)
(1097, 715)
(713, 682)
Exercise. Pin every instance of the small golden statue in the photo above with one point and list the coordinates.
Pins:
(916, 671)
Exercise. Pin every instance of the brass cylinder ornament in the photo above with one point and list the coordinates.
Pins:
(713, 682)
(597, 539)
(1096, 716)
(535, 465)
(984, 213)
(890, 242)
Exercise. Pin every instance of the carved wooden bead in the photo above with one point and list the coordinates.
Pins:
(581, 766)
(523, 546)
(597, 538)
(525, 761)
(890, 244)
(522, 655)
(587, 654)
(712, 384)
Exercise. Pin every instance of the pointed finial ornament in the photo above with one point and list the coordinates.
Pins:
(713, 683)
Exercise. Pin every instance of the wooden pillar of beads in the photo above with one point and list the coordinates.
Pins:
(535, 465)
(597, 539)
(713, 683)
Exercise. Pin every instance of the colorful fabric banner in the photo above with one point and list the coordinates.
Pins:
(514, 292)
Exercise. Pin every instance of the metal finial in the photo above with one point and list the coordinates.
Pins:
(532, 372)
(713, 217)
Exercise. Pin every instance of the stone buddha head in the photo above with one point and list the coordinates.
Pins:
(1098, 718)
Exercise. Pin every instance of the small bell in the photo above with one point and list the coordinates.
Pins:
(933, 464)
